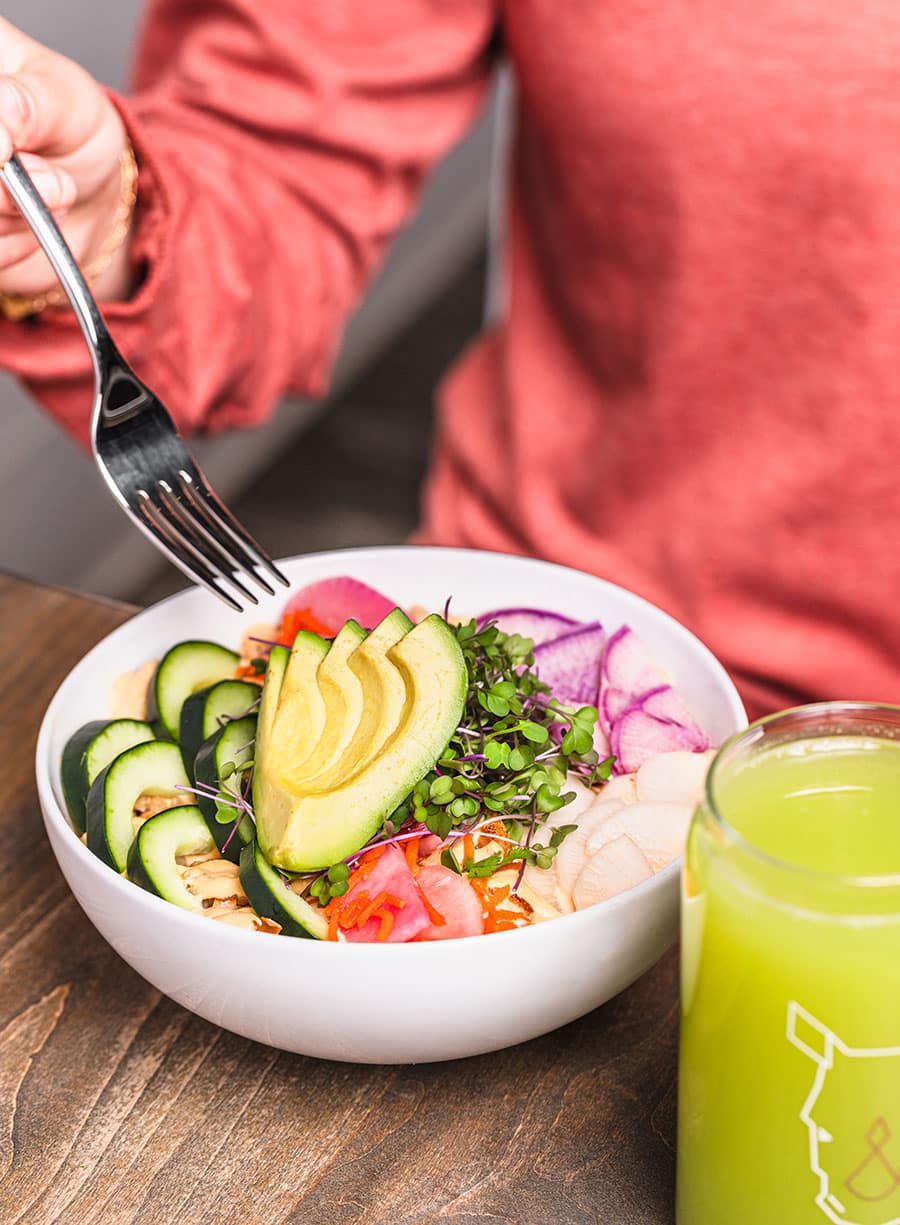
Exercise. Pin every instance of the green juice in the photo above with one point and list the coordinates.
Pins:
(789, 1097)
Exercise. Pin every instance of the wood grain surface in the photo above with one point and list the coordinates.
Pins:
(118, 1107)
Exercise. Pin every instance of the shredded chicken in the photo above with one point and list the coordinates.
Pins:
(217, 883)
(300, 884)
(127, 697)
(244, 916)
(188, 861)
(147, 806)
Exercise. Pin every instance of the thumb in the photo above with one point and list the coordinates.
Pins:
(6, 144)
(28, 112)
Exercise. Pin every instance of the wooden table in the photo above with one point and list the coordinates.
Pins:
(118, 1106)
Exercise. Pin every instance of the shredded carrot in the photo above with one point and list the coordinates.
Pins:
(377, 903)
(501, 921)
(372, 856)
(468, 847)
(364, 867)
(435, 915)
(495, 918)
(411, 851)
(301, 619)
(246, 672)
(386, 925)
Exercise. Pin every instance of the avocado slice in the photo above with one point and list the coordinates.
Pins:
(268, 706)
(342, 695)
(385, 696)
(301, 710)
(302, 831)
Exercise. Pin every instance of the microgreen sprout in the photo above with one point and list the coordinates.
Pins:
(527, 744)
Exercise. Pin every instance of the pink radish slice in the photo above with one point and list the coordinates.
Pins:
(391, 875)
(627, 665)
(335, 600)
(666, 703)
(535, 623)
(453, 897)
(601, 742)
(570, 664)
(637, 736)
(429, 844)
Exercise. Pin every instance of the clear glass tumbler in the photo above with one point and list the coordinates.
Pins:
(789, 1090)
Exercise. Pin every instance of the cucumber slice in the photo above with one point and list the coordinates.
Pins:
(155, 767)
(151, 860)
(88, 751)
(231, 743)
(205, 712)
(271, 898)
(185, 668)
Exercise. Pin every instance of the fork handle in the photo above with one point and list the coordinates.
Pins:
(40, 221)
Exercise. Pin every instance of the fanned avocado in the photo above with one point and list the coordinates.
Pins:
(342, 695)
(385, 696)
(268, 707)
(302, 830)
(301, 710)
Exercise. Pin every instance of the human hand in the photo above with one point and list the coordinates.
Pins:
(70, 139)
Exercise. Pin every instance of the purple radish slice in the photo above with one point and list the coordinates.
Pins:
(570, 664)
(335, 600)
(538, 624)
(613, 704)
(666, 703)
(628, 666)
(638, 736)
(645, 702)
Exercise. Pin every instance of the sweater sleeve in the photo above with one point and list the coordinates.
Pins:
(281, 144)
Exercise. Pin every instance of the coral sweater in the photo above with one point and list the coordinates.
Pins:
(695, 388)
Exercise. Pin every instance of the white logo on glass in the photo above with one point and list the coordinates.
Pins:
(856, 1160)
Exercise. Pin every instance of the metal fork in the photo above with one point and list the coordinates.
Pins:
(137, 447)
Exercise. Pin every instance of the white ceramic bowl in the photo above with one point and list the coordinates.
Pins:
(382, 1003)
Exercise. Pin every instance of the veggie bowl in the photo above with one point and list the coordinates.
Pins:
(369, 999)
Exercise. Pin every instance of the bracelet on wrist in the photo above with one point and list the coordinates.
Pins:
(15, 307)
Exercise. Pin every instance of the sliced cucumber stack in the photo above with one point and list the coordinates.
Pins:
(272, 898)
(88, 752)
(153, 768)
(183, 670)
(231, 745)
(206, 711)
(160, 840)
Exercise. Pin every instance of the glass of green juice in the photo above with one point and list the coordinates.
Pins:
(789, 1076)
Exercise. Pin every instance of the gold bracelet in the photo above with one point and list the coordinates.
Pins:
(15, 308)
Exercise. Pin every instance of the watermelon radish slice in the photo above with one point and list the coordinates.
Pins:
(453, 897)
(571, 664)
(335, 600)
(391, 875)
(666, 703)
(535, 623)
(628, 666)
(637, 736)
(613, 704)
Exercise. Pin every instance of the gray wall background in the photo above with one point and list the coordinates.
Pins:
(57, 522)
